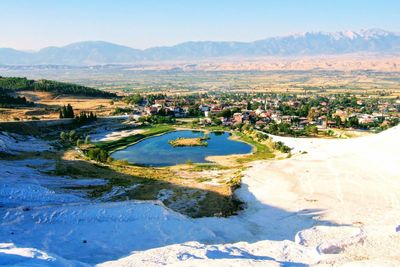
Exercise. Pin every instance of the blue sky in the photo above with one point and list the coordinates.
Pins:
(33, 24)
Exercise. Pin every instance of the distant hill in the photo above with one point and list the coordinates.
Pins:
(314, 43)
(12, 84)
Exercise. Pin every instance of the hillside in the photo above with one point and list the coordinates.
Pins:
(311, 43)
(326, 207)
(13, 84)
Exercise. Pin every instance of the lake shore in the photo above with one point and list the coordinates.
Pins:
(180, 147)
(336, 204)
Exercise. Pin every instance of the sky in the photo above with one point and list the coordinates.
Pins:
(34, 24)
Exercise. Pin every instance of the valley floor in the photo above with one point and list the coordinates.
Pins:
(334, 202)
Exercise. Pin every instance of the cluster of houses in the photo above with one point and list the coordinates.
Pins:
(268, 110)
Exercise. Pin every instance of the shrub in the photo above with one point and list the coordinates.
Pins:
(79, 142)
(282, 147)
(261, 136)
(330, 132)
(72, 138)
(98, 154)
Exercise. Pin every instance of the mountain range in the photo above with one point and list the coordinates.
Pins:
(311, 43)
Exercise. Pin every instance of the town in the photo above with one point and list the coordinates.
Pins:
(281, 114)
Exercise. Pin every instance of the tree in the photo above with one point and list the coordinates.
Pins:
(226, 113)
(284, 127)
(261, 136)
(134, 99)
(72, 135)
(248, 107)
(98, 154)
(69, 112)
(194, 111)
(352, 122)
(84, 117)
(338, 121)
(282, 147)
(273, 128)
(21, 84)
(311, 129)
(246, 127)
(63, 136)
(303, 110)
(7, 100)
(216, 121)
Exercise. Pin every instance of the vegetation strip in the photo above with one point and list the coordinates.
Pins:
(197, 141)
(12, 84)
(123, 142)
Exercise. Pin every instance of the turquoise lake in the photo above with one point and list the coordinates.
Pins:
(156, 151)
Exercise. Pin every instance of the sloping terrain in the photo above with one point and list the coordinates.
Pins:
(337, 203)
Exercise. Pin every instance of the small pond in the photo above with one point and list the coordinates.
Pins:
(156, 151)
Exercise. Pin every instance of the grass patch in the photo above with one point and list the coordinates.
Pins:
(179, 142)
(208, 128)
(199, 167)
(123, 142)
(260, 151)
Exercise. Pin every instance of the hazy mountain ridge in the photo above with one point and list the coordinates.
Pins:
(310, 43)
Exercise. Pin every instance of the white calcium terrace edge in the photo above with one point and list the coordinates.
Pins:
(337, 204)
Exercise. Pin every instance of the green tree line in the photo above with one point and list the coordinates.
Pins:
(24, 84)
